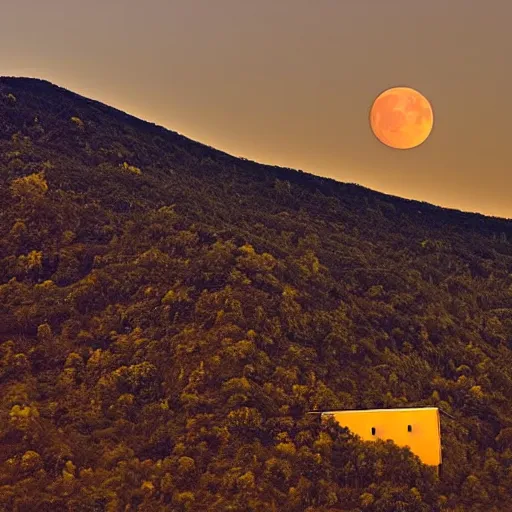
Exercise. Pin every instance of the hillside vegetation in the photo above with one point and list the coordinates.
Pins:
(169, 313)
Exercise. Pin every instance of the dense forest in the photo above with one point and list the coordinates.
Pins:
(170, 313)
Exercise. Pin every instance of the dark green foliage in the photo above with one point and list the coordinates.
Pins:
(163, 333)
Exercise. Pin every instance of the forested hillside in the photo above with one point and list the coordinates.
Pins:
(169, 313)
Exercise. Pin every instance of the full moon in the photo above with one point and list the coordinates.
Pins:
(401, 118)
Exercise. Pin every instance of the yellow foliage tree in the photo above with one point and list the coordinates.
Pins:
(33, 186)
(78, 122)
(131, 168)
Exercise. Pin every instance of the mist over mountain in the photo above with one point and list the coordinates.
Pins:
(169, 314)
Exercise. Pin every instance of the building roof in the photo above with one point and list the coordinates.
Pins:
(405, 409)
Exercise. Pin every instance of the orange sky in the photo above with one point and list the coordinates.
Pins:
(291, 82)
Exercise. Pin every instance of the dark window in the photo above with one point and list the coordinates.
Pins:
(373, 431)
(409, 428)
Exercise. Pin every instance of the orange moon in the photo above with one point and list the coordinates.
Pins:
(401, 118)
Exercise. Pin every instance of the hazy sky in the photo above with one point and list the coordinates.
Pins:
(290, 82)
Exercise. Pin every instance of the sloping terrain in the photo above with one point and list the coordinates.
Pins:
(169, 313)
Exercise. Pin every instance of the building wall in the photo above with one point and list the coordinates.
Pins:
(424, 439)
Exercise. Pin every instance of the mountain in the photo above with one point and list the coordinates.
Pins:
(169, 314)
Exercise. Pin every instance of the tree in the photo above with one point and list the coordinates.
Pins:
(31, 187)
